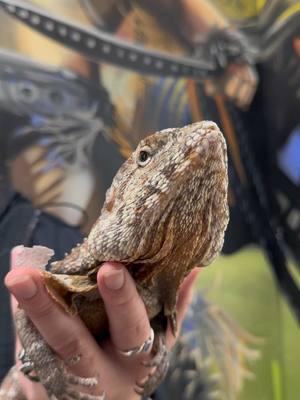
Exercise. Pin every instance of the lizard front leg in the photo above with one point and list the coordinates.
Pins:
(159, 365)
(159, 362)
(50, 369)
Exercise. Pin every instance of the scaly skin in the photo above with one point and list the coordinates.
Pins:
(165, 213)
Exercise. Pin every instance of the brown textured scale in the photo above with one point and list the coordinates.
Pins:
(165, 213)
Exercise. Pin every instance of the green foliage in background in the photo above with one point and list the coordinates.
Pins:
(244, 287)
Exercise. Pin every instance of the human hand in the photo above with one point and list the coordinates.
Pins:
(238, 84)
(67, 336)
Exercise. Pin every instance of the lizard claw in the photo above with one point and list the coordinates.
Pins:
(72, 394)
(62, 381)
(51, 370)
(27, 366)
(78, 380)
(66, 392)
(159, 365)
(173, 323)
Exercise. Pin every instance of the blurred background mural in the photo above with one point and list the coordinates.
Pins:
(68, 121)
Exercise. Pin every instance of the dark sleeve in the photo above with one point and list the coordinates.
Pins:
(20, 223)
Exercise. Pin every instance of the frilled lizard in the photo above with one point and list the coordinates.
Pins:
(165, 213)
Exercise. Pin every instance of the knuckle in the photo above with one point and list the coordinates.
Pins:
(135, 324)
(68, 347)
(39, 307)
(134, 332)
(124, 299)
(141, 328)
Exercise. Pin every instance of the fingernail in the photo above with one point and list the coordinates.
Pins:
(114, 280)
(22, 287)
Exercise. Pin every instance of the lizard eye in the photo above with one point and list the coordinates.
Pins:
(144, 156)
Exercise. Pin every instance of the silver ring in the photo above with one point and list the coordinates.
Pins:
(144, 348)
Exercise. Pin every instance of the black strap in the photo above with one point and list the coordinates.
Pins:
(257, 211)
(253, 202)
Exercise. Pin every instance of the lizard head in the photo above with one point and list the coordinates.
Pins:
(171, 196)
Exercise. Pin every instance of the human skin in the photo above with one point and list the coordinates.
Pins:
(239, 81)
(68, 336)
(197, 18)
